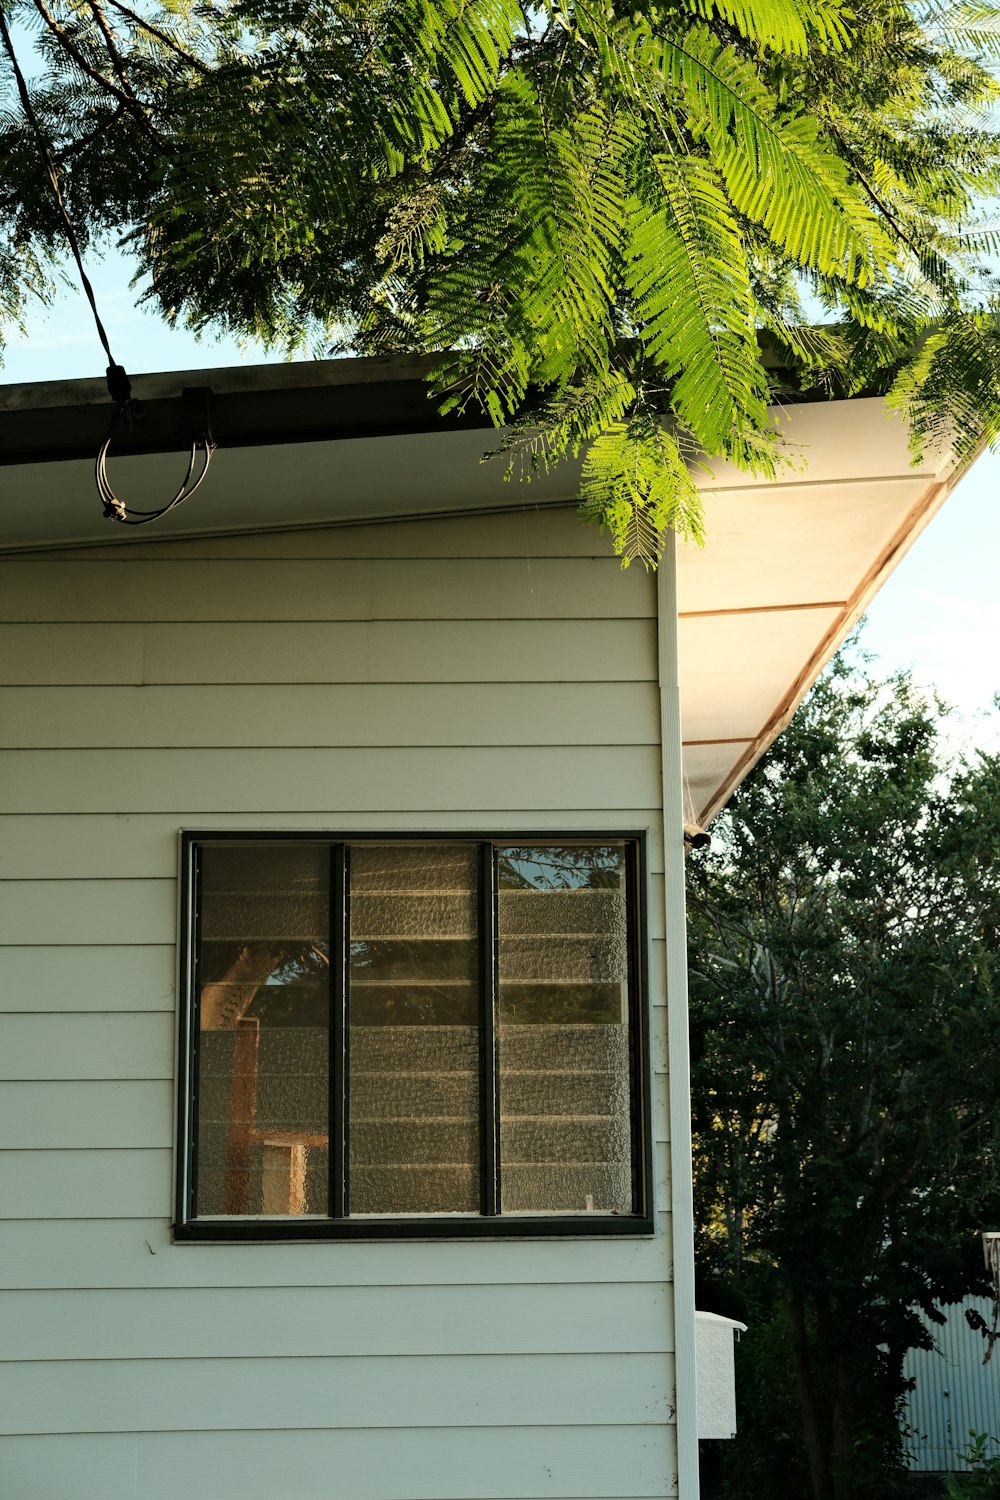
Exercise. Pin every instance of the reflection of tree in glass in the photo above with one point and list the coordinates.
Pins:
(561, 953)
(414, 982)
(282, 984)
(561, 868)
(399, 981)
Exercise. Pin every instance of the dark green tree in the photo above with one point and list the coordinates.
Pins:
(845, 1010)
(605, 215)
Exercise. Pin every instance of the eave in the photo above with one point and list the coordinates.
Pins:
(787, 570)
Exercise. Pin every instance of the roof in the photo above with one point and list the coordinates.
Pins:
(787, 569)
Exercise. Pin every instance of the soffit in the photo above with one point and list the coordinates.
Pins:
(787, 570)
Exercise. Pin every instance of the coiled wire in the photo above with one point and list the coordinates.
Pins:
(116, 509)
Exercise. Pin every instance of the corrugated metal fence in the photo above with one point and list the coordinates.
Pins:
(953, 1392)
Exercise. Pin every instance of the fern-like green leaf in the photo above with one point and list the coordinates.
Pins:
(530, 288)
(966, 27)
(777, 170)
(950, 392)
(567, 422)
(787, 26)
(637, 485)
(690, 283)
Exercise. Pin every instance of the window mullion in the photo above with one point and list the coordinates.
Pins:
(190, 1058)
(637, 1036)
(339, 1030)
(489, 1071)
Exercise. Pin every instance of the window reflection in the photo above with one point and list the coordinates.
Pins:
(563, 1033)
(414, 1029)
(263, 1057)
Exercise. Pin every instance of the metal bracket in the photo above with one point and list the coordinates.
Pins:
(196, 402)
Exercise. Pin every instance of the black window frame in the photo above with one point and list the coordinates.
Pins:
(489, 1223)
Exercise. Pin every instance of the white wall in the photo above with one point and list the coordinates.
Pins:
(493, 672)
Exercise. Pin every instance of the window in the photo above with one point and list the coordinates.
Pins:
(411, 1036)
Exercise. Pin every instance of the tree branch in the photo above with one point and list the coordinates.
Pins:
(876, 199)
(117, 61)
(161, 36)
(128, 102)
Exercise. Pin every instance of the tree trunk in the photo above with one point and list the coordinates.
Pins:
(224, 1002)
(812, 1427)
(844, 1423)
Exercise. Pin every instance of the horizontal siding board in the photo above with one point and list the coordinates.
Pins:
(87, 977)
(134, 589)
(290, 652)
(546, 531)
(50, 1467)
(68, 653)
(86, 1184)
(341, 714)
(89, 846)
(661, 1175)
(485, 1463)
(139, 1253)
(76, 1045)
(657, 978)
(435, 1391)
(251, 1323)
(207, 781)
(80, 911)
(70, 1115)
(106, 846)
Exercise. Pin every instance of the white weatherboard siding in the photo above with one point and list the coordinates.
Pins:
(478, 673)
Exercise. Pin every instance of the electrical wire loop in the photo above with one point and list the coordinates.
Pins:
(116, 509)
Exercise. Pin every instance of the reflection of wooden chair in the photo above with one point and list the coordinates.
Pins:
(284, 1174)
(285, 1152)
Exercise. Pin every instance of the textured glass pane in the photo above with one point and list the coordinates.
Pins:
(414, 1048)
(417, 1004)
(580, 912)
(561, 867)
(402, 914)
(563, 960)
(590, 1187)
(254, 890)
(406, 868)
(412, 960)
(263, 1051)
(563, 1037)
(547, 1003)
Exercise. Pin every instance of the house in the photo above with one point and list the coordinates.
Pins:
(345, 1100)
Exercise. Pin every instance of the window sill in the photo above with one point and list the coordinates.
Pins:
(445, 1226)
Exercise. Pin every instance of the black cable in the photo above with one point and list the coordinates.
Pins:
(117, 510)
(115, 371)
(119, 385)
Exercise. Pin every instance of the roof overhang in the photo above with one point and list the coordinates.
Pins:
(786, 572)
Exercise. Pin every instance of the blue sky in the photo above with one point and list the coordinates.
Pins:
(939, 614)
